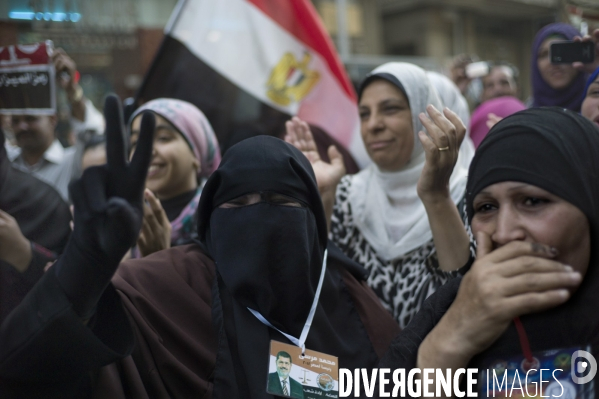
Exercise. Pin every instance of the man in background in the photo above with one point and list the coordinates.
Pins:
(38, 150)
(499, 82)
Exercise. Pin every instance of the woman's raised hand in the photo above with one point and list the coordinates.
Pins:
(492, 120)
(441, 146)
(327, 174)
(155, 229)
(515, 279)
(589, 68)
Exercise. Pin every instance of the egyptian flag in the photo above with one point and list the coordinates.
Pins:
(251, 64)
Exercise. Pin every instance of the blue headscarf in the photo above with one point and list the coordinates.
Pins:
(591, 79)
(543, 94)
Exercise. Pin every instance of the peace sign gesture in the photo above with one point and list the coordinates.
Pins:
(108, 212)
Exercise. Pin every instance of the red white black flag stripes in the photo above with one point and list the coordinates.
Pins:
(250, 64)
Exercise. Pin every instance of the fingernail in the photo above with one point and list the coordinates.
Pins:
(568, 268)
(554, 251)
(563, 293)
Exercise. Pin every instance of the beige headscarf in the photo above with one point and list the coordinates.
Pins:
(386, 206)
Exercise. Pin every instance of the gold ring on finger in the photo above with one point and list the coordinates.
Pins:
(444, 148)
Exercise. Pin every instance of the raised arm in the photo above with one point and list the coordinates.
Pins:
(65, 70)
(442, 146)
(47, 337)
(589, 68)
(108, 213)
(328, 175)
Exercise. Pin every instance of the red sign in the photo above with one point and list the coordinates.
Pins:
(27, 84)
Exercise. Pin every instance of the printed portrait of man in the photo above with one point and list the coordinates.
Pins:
(279, 382)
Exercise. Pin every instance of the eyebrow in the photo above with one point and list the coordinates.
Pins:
(386, 101)
(156, 128)
(523, 185)
(167, 127)
(391, 100)
(517, 187)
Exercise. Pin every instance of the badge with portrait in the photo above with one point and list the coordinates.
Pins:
(293, 375)
(559, 373)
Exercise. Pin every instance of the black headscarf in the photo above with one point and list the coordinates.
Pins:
(557, 150)
(269, 258)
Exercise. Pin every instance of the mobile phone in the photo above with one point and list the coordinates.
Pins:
(568, 52)
(477, 70)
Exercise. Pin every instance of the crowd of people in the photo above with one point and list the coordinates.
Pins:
(177, 265)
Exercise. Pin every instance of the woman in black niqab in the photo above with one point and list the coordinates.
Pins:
(269, 257)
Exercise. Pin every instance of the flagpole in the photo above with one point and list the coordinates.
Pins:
(167, 30)
(342, 36)
(174, 16)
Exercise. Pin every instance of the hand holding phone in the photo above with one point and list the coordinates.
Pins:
(593, 38)
(568, 52)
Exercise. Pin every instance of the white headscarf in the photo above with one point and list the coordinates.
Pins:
(454, 100)
(385, 205)
(450, 95)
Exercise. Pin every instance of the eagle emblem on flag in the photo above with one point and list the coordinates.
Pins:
(291, 80)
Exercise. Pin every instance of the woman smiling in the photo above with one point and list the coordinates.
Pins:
(398, 217)
(185, 153)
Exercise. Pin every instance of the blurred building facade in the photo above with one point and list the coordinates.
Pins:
(113, 41)
(431, 32)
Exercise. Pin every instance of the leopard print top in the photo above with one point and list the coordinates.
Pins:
(402, 284)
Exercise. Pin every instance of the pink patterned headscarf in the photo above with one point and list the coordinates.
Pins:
(501, 106)
(193, 126)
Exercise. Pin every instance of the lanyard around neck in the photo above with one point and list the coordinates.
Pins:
(523, 338)
(301, 342)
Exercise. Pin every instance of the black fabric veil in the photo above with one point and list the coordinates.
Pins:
(269, 258)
